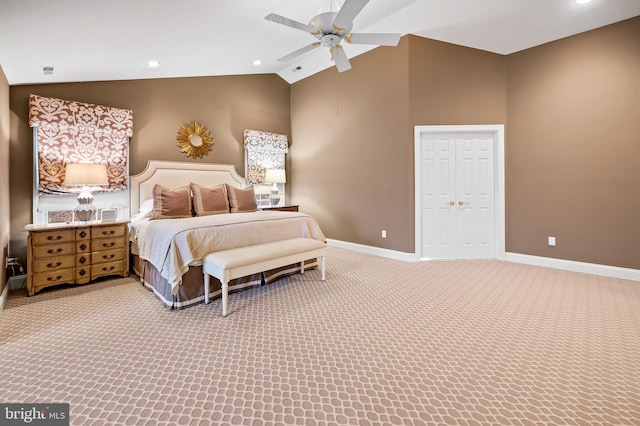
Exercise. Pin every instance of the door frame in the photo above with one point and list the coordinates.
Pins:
(499, 180)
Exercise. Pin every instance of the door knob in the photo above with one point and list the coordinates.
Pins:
(463, 203)
(452, 203)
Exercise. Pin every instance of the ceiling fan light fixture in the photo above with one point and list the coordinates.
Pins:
(330, 28)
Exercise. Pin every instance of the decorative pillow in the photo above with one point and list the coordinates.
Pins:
(171, 203)
(242, 200)
(208, 201)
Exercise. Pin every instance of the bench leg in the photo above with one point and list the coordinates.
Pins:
(225, 296)
(322, 267)
(302, 267)
(206, 288)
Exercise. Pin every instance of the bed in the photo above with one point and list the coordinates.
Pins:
(167, 253)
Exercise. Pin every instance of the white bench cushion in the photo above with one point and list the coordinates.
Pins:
(249, 255)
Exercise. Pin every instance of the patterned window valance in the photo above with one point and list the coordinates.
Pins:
(264, 151)
(76, 132)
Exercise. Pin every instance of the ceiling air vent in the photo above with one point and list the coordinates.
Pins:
(47, 70)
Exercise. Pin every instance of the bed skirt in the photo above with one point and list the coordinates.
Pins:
(191, 291)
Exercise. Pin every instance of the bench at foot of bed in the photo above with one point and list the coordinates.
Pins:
(239, 262)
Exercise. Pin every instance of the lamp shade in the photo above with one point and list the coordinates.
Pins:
(85, 174)
(275, 176)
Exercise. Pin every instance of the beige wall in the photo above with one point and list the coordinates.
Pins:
(573, 147)
(226, 105)
(351, 146)
(353, 132)
(4, 175)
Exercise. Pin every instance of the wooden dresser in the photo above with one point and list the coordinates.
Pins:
(75, 253)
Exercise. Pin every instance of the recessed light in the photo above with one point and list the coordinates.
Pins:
(153, 64)
(582, 1)
(257, 62)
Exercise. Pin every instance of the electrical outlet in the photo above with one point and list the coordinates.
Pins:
(384, 233)
(552, 241)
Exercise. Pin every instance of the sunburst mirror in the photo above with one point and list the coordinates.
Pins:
(194, 140)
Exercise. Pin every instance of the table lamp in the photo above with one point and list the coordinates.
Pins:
(85, 174)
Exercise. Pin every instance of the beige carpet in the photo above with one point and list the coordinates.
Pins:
(380, 342)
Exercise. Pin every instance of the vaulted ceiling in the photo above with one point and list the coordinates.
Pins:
(113, 40)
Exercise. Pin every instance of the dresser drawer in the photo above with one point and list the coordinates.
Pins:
(50, 237)
(108, 268)
(83, 259)
(83, 274)
(83, 246)
(83, 234)
(53, 277)
(53, 250)
(106, 244)
(53, 263)
(107, 231)
(107, 256)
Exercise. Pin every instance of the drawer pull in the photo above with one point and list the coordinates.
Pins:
(54, 265)
(83, 234)
(111, 256)
(83, 246)
(82, 259)
(52, 251)
(56, 278)
(111, 232)
(82, 272)
(111, 244)
(110, 268)
(54, 237)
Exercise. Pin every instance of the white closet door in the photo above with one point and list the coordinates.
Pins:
(457, 195)
(474, 196)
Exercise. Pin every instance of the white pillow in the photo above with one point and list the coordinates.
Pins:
(146, 207)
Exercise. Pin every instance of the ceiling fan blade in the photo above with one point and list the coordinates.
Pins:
(348, 11)
(340, 58)
(290, 23)
(381, 39)
(299, 52)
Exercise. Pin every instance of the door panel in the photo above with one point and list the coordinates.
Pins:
(438, 179)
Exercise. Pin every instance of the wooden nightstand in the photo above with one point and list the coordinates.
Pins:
(282, 208)
(75, 253)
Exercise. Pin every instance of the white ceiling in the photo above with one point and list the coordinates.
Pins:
(92, 40)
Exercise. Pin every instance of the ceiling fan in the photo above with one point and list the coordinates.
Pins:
(330, 28)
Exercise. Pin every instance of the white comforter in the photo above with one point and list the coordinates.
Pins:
(172, 245)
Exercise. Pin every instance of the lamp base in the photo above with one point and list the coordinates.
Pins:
(85, 210)
(274, 198)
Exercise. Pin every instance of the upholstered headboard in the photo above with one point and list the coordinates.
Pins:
(173, 174)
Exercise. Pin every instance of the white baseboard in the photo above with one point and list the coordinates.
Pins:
(3, 297)
(565, 265)
(391, 254)
(574, 266)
